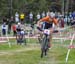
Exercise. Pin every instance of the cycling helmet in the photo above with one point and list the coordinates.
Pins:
(52, 15)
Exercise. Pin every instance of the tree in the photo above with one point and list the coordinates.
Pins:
(33, 5)
(55, 7)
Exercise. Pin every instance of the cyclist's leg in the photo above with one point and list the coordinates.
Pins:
(40, 37)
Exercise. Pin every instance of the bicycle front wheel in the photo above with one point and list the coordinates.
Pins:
(44, 46)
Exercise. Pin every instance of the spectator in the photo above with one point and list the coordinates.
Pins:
(38, 16)
(43, 14)
(14, 29)
(47, 14)
(18, 28)
(12, 19)
(4, 28)
(20, 37)
(62, 22)
(70, 15)
(4, 19)
(9, 26)
(65, 20)
(72, 21)
(73, 14)
(31, 17)
(22, 17)
(16, 17)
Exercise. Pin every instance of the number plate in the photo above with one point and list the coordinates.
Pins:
(46, 31)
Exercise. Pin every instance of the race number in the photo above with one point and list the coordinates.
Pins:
(46, 31)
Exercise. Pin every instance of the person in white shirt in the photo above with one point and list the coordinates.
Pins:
(31, 16)
(17, 17)
(43, 14)
(38, 16)
(47, 14)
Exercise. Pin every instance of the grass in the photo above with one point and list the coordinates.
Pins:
(28, 57)
(14, 46)
(56, 55)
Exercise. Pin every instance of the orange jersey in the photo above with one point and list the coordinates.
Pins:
(49, 20)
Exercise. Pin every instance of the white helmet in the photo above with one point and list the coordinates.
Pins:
(52, 15)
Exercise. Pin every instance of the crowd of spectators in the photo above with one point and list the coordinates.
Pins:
(67, 19)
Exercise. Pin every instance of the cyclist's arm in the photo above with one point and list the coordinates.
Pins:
(55, 21)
